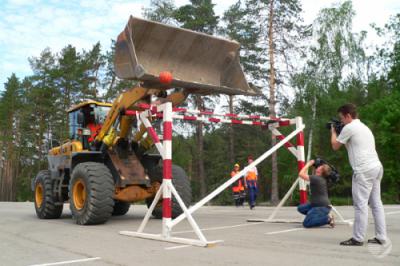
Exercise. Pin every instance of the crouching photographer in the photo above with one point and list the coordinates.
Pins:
(318, 211)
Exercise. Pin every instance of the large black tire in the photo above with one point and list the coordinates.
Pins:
(45, 205)
(181, 183)
(121, 208)
(91, 191)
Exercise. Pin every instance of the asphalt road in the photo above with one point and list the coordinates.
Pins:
(26, 240)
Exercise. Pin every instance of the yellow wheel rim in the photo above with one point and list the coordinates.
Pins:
(39, 195)
(79, 194)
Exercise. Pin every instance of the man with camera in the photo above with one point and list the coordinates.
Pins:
(318, 210)
(367, 174)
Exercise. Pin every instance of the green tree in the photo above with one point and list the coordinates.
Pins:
(334, 65)
(110, 83)
(241, 26)
(10, 135)
(45, 104)
(382, 113)
(162, 11)
(271, 32)
(199, 16)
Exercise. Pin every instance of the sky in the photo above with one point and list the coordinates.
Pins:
(27, 27)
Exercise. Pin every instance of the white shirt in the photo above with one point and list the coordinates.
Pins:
(252, 169)
(360, 145)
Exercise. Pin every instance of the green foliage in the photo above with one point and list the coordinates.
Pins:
(382, 116)
(335, 71)
(242, 26)
(197, 16)
(161, 11)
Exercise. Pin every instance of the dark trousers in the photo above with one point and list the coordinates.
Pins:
(252, 189)
(239, 198)
(236, 198)
(315, 216)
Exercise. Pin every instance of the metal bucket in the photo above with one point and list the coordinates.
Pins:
(198, 62)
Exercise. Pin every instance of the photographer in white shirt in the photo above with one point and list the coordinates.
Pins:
(367, 174)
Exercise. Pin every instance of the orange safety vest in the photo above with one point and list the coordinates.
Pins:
(251, 176)
(239, 185)
(94, 130)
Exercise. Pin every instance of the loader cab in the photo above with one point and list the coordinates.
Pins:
(86, 120)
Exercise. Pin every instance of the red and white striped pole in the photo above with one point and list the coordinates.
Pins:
(301, 160)
(167, 168)
(280, 137)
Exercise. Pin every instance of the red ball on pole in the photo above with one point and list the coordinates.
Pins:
(165, 77)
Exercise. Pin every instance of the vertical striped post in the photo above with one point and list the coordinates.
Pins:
(167, 168)
(301, 160)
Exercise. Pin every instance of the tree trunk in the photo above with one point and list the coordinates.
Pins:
(95, 83)
(200, 150)
(231, 154)
(310, 136)
(8, 182)
(272, 113)
(39, 142)
(8, 192)
(112, 83)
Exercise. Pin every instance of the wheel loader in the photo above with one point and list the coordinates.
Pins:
(107, 164)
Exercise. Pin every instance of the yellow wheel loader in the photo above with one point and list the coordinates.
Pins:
(105, 165)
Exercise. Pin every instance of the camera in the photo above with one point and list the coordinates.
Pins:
(337, 125)
(334, 176)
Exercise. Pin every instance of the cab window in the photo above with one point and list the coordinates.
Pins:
(101, 114)
(73, 124)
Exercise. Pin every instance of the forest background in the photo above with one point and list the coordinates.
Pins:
(302, 70)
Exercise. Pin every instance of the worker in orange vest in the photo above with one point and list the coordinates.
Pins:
(251, 183)
(238, 187)
(94, 130)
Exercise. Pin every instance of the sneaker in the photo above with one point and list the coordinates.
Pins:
(376, 241)
(351, 242)
(251, 207)
(331, 220)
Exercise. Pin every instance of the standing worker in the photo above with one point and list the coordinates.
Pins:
(238, 187)
(251, 183)
(367, 175)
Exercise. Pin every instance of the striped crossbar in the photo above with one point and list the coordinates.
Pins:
(212, 117)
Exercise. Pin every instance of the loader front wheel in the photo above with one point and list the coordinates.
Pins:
(45, 205)
(181, 183)
(91, 192)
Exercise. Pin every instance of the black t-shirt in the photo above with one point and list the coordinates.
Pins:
(319, 191)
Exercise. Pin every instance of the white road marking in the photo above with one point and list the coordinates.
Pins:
(389, 213)
(284, 231)
(219, 228)
(298, 229)
(176, 247)
(67, 262)
(253, 223)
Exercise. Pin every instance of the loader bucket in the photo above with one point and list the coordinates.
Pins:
(198, 62)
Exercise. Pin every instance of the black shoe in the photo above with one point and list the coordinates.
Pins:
(351, 242)
(251, 207)
(376, 241)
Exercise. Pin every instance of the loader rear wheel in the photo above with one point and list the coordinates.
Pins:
(181, 183)
(91, 191)
(45, 205)
(121, 208)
